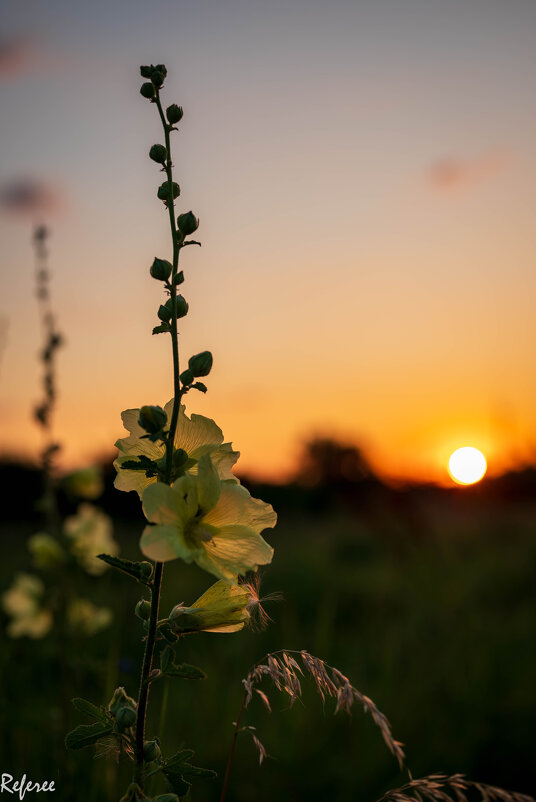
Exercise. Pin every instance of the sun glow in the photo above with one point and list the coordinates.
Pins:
(467, 465)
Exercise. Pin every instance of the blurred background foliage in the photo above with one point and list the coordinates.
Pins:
(423, 596)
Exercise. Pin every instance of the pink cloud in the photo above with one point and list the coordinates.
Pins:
(451, 173)
(26, 196)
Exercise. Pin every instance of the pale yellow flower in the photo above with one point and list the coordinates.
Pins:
(204, 520)
(90, 531)
(87, 619)
(222, 608)
(22, 601)
(46, 551)
(196, 436)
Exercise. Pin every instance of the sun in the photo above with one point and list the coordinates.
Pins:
(467, 465)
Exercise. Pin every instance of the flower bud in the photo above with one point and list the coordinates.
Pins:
(168, 191)
(146, 569)
(186, 377)
(147, 90)
(145, 72)
(158, 154)
(221, 607)
(179, 278)
(151, 751)
(174, 113)
(187, 223)
(125, 718)
(119, 700)
(134, 794)
(180, 456)
(158, 77)
(164, 313)
(201, 364)
(152, 419)
(182, 306)
(161, 269)
(143, 610)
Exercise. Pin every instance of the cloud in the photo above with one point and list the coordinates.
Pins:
(16, 55)
(25, 196)
(451, 173)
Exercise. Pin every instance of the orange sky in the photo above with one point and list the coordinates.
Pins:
(365, 183)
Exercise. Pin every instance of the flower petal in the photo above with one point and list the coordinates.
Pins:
(177, 505)
(162, 543)
(208, 484)
(237, 506)
(234, 550)
(197, 435)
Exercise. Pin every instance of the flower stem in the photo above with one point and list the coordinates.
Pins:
(143, 697)
(233, 747)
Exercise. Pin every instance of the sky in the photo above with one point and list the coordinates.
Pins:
(365, 177)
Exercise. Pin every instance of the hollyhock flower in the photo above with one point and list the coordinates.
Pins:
(204, 520)
(195, 436)
(22, 601)
(90, 531)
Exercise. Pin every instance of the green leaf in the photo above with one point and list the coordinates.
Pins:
(89, 709)
(162, 328)
(177, 784)
(139, 570)
(166, 658)
(184, 670)
(166, 632)
(87, 734)
(200, 386)
(143, 463)
(178, 767)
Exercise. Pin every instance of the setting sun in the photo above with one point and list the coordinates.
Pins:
(467, 465)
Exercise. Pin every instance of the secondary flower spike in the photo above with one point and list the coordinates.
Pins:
(196, 436)
(204, 520)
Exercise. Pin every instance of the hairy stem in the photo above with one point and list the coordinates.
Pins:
(143, 697)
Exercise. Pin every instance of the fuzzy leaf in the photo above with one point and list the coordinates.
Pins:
(87, 734)
(89, 709)
(138, 570)
(184, 670)
(162, 328)
(178, 767)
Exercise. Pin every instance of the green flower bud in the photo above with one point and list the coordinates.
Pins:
(179, 278)
(201, 364)
(120, 699)
(125, 718)
(180, 456)
(145, 72)
(134, 794)
(161, 269)
(152, 419)
(174, 113)
(146, 570)
(158, 78)
(168, 191)
(158, 154)
(164, 313)
(187, 377)
(147, 90)
(187, 223)
(151, 751)
(143, 610)
(182, 306)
